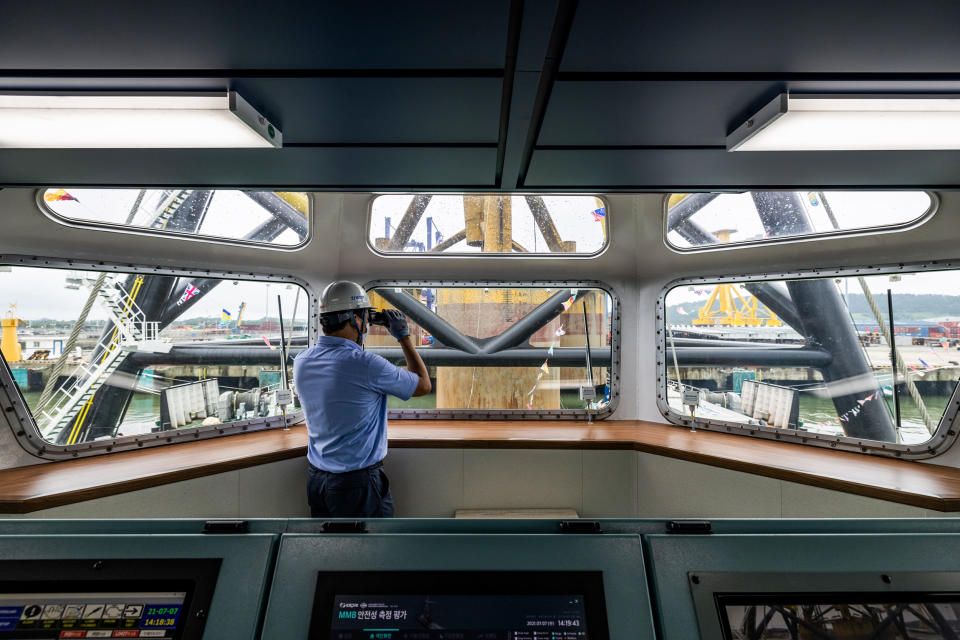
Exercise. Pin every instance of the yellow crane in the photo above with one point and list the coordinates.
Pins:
(243, 306)
(727, 308)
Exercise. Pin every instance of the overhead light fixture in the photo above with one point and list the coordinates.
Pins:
(817, 122)
(125, 120)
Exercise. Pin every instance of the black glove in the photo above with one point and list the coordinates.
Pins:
(397, 324)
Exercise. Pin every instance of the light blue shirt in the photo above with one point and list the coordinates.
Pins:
(343, 391)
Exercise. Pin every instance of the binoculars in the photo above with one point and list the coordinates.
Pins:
(378, 318)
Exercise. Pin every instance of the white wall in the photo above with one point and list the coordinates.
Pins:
(436, 482)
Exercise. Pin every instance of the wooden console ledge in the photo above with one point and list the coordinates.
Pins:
(928, 486)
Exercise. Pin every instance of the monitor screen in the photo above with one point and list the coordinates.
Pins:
(460, 606)
(890, 616)
(129, 614)
(136, 598)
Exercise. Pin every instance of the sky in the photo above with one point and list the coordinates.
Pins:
(42, 293)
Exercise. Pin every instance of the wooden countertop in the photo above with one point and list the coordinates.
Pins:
(26, 489)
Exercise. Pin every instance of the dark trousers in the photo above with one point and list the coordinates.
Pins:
(355, 494)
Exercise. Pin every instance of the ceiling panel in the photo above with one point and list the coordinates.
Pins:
(814, 36)
(217, 34)
(380, 110)
(646, 113)
(652, 169)
(678, 113)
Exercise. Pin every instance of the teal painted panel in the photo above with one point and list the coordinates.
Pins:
(673, 558)
(20, 375)
(300, 557)
(241, 584)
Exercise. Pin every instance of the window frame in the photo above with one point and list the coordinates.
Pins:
(519, 414)
(111, 227)
(940, 441)
(21, 420)
(481, 255)
(807, 237)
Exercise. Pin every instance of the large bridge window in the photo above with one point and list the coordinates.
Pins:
(106, 360)
(712, 220)
(276, 218)
(865, 358)
(497, 224)
(502, 349)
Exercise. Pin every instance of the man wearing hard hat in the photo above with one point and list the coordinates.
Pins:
(343, 391)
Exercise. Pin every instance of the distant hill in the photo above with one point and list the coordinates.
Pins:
(907, 307)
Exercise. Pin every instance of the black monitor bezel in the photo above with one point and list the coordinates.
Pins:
(195, 576)
(589, 584)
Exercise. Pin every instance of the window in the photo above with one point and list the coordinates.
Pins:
(711, 220)
(146, 357)
(275, 218)
(809, 358)
(506, 348)
(471, 224)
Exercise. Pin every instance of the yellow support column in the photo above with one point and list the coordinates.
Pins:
(9, 344)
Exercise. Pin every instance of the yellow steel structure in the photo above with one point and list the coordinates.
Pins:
(727, 308)
(298, 200)
(9, 344)
(113, 345)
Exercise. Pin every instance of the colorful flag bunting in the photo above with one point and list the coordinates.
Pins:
(58, 196)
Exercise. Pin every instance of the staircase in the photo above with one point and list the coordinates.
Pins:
(130, 330)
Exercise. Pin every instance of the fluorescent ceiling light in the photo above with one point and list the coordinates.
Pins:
(851, 123)
(123, 120)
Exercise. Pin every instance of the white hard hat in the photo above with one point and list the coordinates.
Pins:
(343, 296)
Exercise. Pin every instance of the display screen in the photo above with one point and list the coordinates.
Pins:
(165, 598)
(92, 615)
(423, 617)
(460, 606)
(890, 616)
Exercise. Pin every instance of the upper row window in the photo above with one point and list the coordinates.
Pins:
(276, 218)
(471, 224)
(710, 220)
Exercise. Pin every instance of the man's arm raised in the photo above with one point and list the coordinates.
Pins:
(399, 330)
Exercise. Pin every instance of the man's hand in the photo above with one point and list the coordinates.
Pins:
(397, 324)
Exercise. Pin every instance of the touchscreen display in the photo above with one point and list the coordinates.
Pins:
(458, 617)
(459, 605)
(142, 614)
